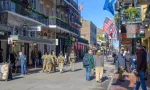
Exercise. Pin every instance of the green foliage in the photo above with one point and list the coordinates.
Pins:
(116, 18)
(131, 13)
(101, 37)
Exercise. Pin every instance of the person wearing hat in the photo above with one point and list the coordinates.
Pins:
(99, 65)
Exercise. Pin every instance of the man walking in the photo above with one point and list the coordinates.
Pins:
(61, 60)
(44, 57)
(88, 63)
(54, 61)
(49, 63)
(22, 58)
(72, 59)
(141, 67)
(99, 64)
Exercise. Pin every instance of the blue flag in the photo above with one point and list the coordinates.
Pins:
(109, 6)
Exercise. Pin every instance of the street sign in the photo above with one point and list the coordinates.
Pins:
(10, 40)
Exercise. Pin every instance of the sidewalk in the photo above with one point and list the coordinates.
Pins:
(128, 84)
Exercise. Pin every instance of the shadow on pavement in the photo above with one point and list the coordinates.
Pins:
(92, 78)
(104, 78)
(15, 78)
(65, 71)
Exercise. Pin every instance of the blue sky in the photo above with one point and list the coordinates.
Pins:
(93, 11)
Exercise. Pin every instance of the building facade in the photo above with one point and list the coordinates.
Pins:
(89, 32)
(40, 25)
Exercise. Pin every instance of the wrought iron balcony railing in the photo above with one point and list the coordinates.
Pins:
(64, 25)
(73, 3)
(19, 9)
(77, 21)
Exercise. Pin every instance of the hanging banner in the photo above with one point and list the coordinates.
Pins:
(132, 28)
(4, 71)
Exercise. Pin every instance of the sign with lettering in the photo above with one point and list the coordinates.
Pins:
(10, 40)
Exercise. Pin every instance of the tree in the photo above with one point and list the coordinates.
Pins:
(101, 37)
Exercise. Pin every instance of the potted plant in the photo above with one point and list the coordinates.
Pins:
(131, 13)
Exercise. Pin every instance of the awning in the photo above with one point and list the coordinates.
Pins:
(14, 19)
(28, 40)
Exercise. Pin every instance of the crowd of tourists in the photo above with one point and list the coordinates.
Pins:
(137, 63)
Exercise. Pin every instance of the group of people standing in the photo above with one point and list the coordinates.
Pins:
(94, 63)
(139, 64)
(51, 61)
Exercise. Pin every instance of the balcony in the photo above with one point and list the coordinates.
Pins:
(83, 41)
(64, 25)
(21, 10)
(72, 3)
(138, 19)
(77, 21)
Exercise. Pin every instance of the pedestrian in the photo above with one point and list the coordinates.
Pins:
(44, 57)
(61, 60)
(121, 64)
(40, 57)
(13, 58)
(88, 63)
(54, 63)
(141, 66)
(148, 60)
(128, 61)
(99, 65)
(22, 58)
(66, 58)
(72, 59)
(33, 57)
(49, 63)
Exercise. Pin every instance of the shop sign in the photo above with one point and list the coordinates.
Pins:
(34, 28)
(4, 71)
(10, 40)
(131, 35)
(56, 41)
(140, 35)
(126, 42)
(132, 28)
(124, 35)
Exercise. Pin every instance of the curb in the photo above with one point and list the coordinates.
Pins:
(111, 81)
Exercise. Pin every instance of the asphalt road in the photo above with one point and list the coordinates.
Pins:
(56, 81)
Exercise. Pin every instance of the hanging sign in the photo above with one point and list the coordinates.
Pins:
(10, 40)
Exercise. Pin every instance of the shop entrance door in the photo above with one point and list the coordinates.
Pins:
(26, 51)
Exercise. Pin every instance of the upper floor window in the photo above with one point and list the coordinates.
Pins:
(41, 7)
(47, 10)
(33, 3)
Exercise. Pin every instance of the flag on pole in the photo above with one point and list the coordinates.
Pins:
(108, 26)
(109, 6)
(81, 6)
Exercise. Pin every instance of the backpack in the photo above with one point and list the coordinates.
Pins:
(86, 61)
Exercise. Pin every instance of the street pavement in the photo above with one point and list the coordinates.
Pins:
(56, 81)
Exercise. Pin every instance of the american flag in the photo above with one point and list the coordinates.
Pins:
(81, 6)
(109, 26)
